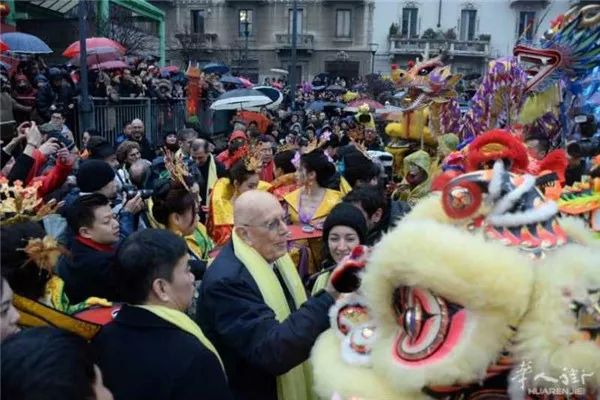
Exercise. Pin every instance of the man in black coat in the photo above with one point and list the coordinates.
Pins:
(57, 93)
(255, 346)
(88, 273)
(138, 135)
(152, 350)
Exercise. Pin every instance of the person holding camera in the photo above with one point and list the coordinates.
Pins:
(34, 151)
(582, 149)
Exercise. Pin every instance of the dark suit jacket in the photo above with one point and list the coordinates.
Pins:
(254, 346)
(88, 272)
(144, 357)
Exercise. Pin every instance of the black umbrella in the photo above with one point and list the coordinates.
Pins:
(336, 89)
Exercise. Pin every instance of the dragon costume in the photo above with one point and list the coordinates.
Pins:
(493, 297)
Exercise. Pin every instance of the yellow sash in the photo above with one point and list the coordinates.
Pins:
(296, 384)
(320, 282)
(185, 323)
(212, 177)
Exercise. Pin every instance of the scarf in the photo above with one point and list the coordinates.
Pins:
(295, 384)
(212, 176)
(185, 323)
(106, 248)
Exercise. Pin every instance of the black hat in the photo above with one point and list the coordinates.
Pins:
(93, 175)
(345, 214)
(100, 150)
(357, 166)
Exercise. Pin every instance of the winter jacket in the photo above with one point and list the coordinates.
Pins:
(254, 346)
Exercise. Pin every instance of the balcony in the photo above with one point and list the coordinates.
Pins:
(432, 47)
(283, 41)
(529, 3)
(197, 41)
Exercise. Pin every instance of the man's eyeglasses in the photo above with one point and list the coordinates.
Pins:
(272, 226)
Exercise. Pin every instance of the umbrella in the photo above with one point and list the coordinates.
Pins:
(336, 89)
(246, 83)
(373, 105)
(231, 79)
(94, 44)
(320, 105)
(97, 57)
(115, 64)
(20, 42)
(279, 71)
(215, 68)
(318, 88)
(240, 99)
(3, 47)
(261, 121)
(275, 95)
(171, 69)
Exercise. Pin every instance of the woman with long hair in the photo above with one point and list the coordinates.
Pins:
(176, 208)
(309, 205)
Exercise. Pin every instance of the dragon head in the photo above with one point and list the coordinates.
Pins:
(426, 82)
(568, 49)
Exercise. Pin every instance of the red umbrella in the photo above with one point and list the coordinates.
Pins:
(3, 47)
(245, 82)
(117, 64)
(373, 105)
(92, 44)
(98, 57)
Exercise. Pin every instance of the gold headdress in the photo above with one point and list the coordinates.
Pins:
(44, 252)
(20, 204)
(177, 168)
(286, 147)
(253, 159)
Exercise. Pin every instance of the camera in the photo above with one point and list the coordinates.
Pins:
(132, 191)
(588, 145)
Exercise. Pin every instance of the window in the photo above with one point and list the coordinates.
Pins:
(246, 19)
(409, 22)
(526, 24)
(299, 21)
(342, 23)
(468, 19)
(197, 21)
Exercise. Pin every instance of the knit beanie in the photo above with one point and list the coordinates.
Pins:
(93, 175)
(345, 214)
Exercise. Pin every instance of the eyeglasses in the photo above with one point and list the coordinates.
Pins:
(271, 226)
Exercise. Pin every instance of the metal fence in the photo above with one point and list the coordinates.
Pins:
(159, 117)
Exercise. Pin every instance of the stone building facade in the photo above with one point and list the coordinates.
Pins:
(333, 36)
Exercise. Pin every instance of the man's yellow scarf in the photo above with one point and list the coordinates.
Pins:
(185, 323)
(295, 384)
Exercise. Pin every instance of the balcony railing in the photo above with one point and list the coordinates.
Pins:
(472, 48)
(197, 41)
(530, 3)
(303, 42)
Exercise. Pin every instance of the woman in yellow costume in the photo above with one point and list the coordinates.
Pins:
(243, 176)
(175, 206)
(310, 204)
